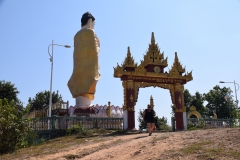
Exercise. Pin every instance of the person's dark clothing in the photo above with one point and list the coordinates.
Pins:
(149, 116)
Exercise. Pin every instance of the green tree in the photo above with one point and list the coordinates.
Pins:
(217, 103)
(142, 124)
(41, 100)
(9, 91)
(161, 123)
(13, 128)
(198, 102)
(26, 109)
(187, 99)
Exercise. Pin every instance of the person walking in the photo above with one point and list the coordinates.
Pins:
(148, 116)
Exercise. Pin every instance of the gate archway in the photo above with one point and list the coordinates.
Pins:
(149, 73)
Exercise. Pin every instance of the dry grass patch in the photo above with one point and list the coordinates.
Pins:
(158, 138)
(71, 156)
(55, 145)
(142, 147)
(116, 141)
(194, 148)
(207, 150)
(49, 147)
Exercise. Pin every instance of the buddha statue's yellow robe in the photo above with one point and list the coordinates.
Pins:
(86, 68)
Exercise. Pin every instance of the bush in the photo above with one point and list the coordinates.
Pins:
(31, 138)
(78, 130)
(13, 128)
(192, 126)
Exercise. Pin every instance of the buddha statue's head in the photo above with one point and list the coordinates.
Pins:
(87, 21)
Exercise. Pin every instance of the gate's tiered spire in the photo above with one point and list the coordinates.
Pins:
(154, 56)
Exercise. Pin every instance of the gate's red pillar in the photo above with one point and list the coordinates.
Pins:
(130, 100)
(131, 120)
(179, 107)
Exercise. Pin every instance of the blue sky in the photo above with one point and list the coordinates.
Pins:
(206, 35)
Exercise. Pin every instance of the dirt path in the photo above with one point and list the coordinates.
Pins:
(200, 144)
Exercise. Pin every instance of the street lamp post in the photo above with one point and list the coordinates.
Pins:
(51, 60)
(235, 90)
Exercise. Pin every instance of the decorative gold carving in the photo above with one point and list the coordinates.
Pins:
(131, 98)
(118, 71)
(129, 60)
(136, 89)
(178, 65)
(153, 55)
(178, 88)
(140, 70)
(131, 109)
(124, 107)
(129, 84)
(177, 70)
(174, 72)
(124, 84)
(183, 103)
(188, 76)
(178, 110)
(146, 84)
(172, 92)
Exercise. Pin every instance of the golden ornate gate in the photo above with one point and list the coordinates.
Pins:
(149, 73)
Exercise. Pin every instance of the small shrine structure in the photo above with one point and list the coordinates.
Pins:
(151, 73)
(193, 113)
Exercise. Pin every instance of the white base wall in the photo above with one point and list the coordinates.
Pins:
(185, 120)
(125, 119)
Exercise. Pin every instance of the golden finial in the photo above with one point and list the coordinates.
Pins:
(176, 57)
(192, 108)
(152, 38)
(128, 52)
(151, 101)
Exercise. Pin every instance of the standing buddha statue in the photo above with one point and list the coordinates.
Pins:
(85, 75)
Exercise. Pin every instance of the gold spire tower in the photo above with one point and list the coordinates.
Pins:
(151, 102)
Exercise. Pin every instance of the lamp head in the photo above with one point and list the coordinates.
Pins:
(67, 46)
(221, 82)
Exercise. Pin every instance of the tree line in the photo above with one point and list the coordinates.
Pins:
(212, 102)
(206, 104)
(14, 130)
(41, 100)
